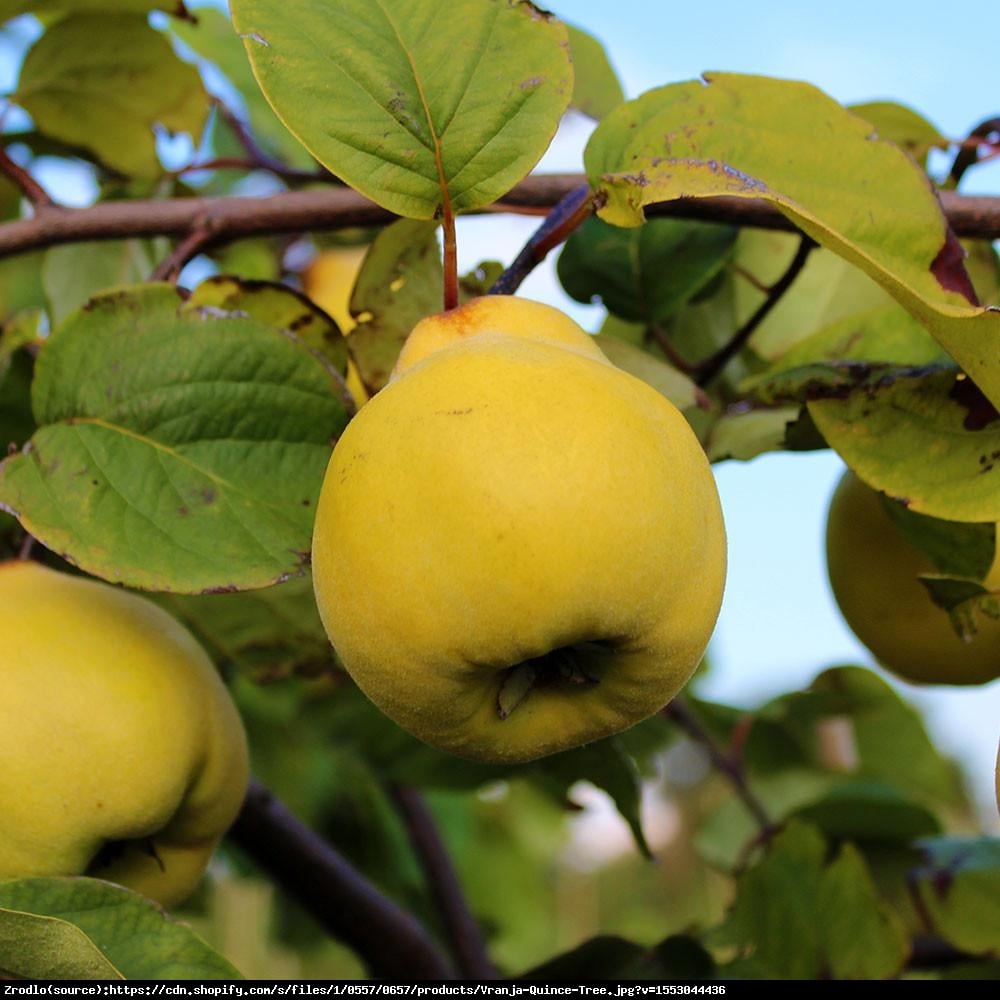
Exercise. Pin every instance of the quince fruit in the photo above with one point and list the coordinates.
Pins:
(874, 574)
(124, 756)
(518, 548)
(329, 282)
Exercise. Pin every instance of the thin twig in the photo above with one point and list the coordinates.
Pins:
(658, 336)
(463, 931)
(169, 269)
(316, 210)
(968, 153)
(711, 366)
(570, 212)
(387, 938)
(681, 715)
(40, 198)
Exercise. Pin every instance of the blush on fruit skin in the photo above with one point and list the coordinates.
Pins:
(125, 757)
(874, 575)
(513, 498)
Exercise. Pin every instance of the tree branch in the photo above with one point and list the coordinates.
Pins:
(569, 213)
(463, 931)
(726, 764)
(711, 366)
(24, 182)
(328, 208)
(390, 941)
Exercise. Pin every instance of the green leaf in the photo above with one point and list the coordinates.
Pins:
(902, 125)
(742, 436)
(596, 88)
(666, 380)
(137, 939)
(646, 274)
(885, 433)
(399, 283)
(277, 305)
(795, 917)
(870, 811)
(17, 368)
(864, 939)
(968, 602)
(606, 765)
(50, 8)
(886, 334)
(179, 449)
(414, 103)
(213, 37)
(955, 549)
(610, 957)
(103, 81)
(33, 947)
(822, 167)
(776, 904)
(269, 633)
(21, 284)
(71, 274)
(959, 890)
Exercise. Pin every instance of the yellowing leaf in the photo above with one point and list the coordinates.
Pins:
(414, 103)
(789, 144)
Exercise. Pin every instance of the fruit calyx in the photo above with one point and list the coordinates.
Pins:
(567, 667)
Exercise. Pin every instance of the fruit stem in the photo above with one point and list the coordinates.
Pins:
(450, 257)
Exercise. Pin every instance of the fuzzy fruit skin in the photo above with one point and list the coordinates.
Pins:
(511, 492)
(116, 728)
(873, 572)
(329, 282)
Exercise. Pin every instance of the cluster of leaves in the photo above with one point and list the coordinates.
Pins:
(175, 442)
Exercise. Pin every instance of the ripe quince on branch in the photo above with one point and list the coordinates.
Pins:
(123, 755)
(519, 547)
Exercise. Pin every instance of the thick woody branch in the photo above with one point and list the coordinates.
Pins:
(232, 218)
(388, 939)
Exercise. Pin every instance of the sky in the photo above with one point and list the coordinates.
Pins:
(779, 626)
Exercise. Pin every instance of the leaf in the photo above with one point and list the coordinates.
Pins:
(902, 125)
(20, 284)
(821, 167)
(269, 633)
(278, 306)
(213, 37)
(179, 449)
(103, 81)
(958, 886)
(644, 274)
(864, 939)
(886, 433)
(870, 811)
(33, 947)
(742, 436)
(607, 766)
(826, 291)
(955, 549)
(830, 913)
(967, 602)
(596, 88)
(610, 957)
(414, 103)
(12, 8)
(666, 380)
(135, 936)
(398, 285)
(776, 903)
(71, 274)
(886, 334)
